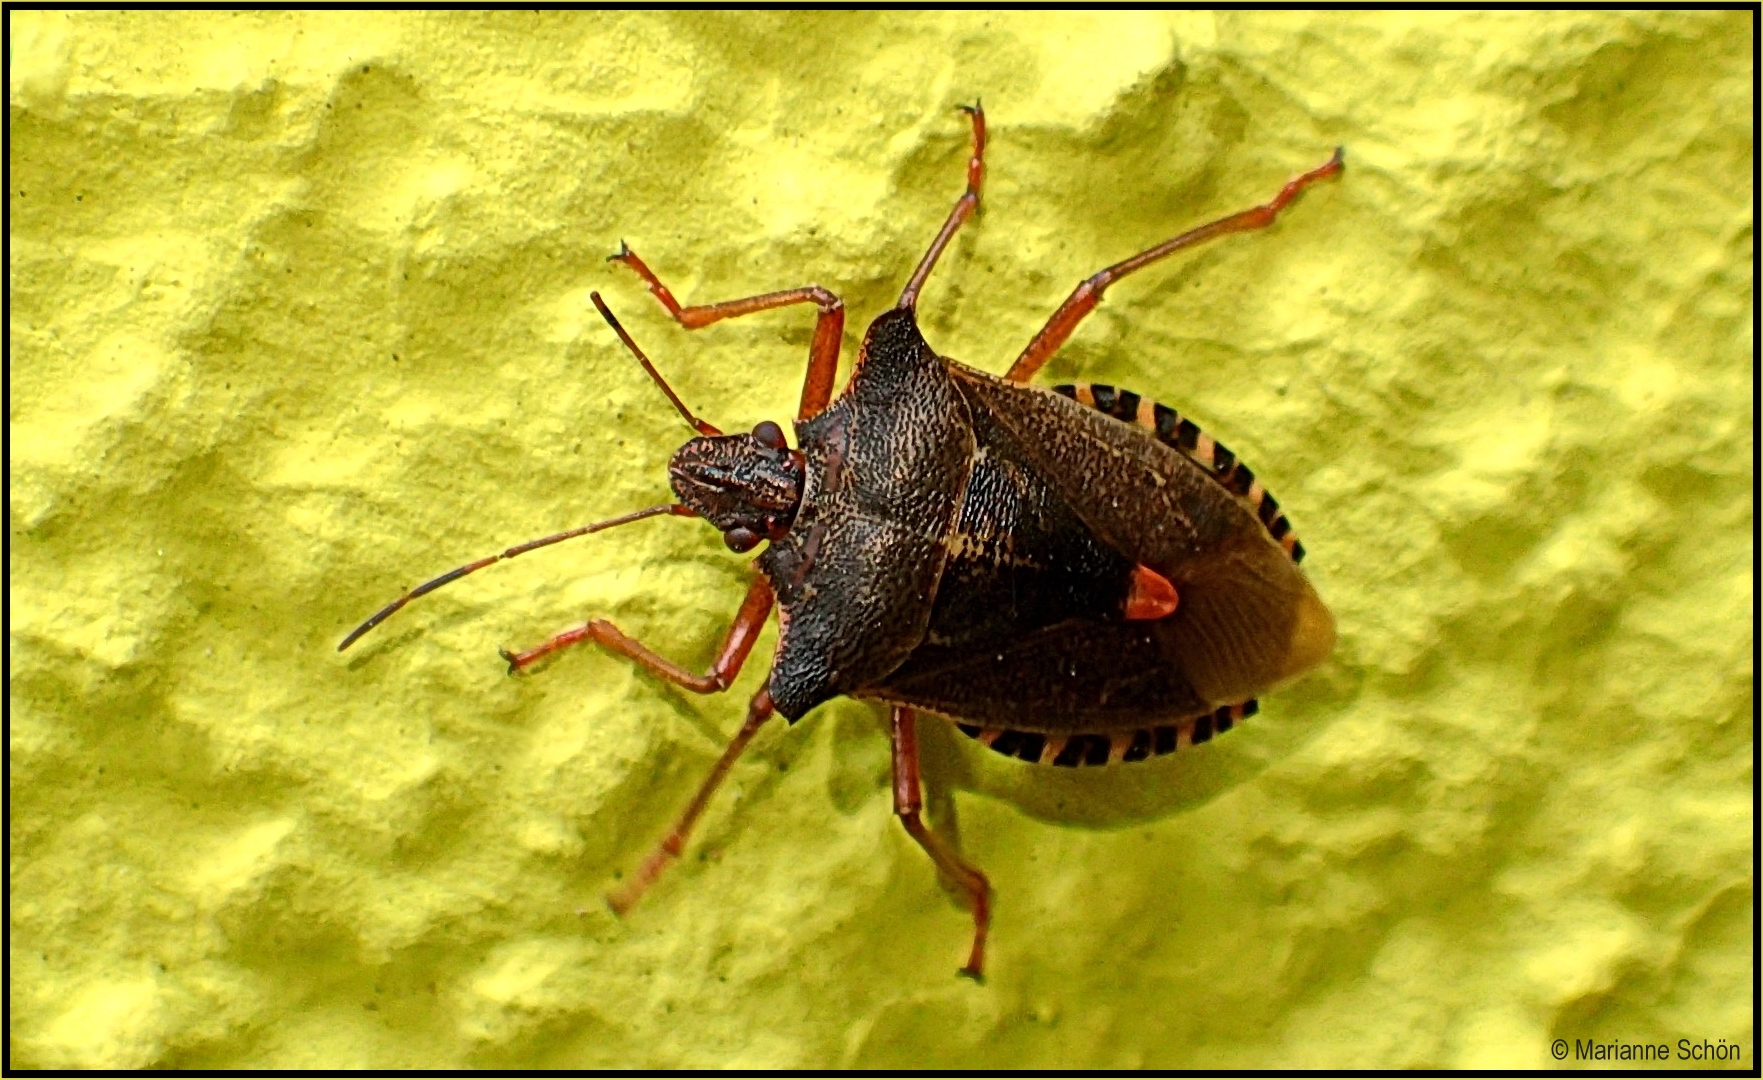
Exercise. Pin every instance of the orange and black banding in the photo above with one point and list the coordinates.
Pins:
(1174, 430)
(1089, 748)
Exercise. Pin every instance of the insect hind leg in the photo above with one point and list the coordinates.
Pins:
(1088, 294)
(909, 807)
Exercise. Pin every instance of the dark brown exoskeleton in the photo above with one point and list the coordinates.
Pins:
(1074, 576)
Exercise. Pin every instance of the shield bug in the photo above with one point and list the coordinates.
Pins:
(1073, 576)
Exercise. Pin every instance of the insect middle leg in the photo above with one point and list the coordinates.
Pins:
(909, 806)
(621, 899)
(823, 351)
(963, 209)
(1088, 294)
(742, 633)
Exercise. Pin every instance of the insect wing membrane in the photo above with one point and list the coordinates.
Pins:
(1248, 618)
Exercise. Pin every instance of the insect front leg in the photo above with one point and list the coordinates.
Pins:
(823, 351)
(909, 806)
(1088, 294)
(742, 633)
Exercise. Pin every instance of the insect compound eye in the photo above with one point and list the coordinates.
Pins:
(769, 434)
(740, 538)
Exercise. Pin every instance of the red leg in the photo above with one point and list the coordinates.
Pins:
(963, 209)
(742, 633)
(823, 351)
(1086, 296)
(908, 804)
(626, 895)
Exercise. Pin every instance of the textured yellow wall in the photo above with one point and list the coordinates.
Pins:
(299, 317)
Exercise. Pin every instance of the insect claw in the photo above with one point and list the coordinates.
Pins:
(623, 252)
(513, 661)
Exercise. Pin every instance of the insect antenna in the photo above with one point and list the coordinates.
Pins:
(386, 612)
(701, 426)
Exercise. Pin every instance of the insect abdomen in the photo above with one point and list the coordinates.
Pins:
(1098, 749)
(1174, 430)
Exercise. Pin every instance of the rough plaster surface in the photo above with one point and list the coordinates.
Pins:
(299, 317)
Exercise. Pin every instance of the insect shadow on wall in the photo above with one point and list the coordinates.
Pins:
(1073, 576)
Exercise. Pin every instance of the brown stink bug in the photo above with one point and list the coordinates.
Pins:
(1073, 576)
